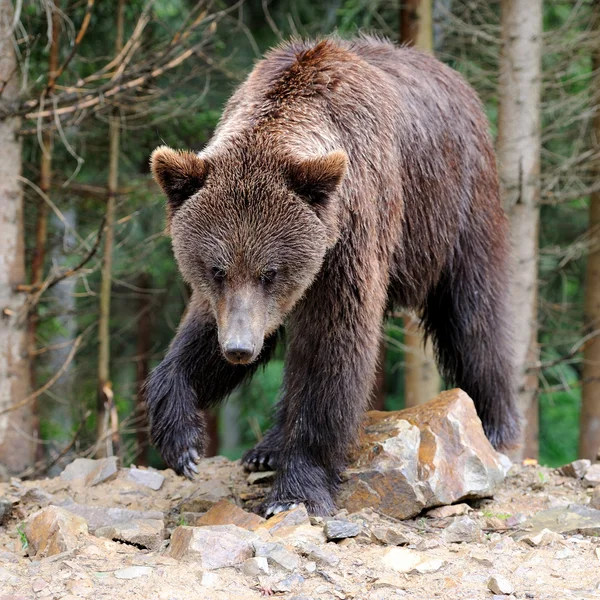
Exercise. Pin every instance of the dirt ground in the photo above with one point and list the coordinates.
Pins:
(563, 567)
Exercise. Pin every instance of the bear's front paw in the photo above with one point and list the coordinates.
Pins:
(181, 448)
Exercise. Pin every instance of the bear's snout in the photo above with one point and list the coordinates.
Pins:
(238, 350)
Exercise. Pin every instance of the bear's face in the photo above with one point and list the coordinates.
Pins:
(249, 240)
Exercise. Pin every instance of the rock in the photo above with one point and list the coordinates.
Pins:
(462, 529)
(144, 533)
(146, 477)
(53, 530)
(101, 516)
(430, 455)
(37, 496)
(576, 469)
(205, 496)
(261, 477)
(253, 567)
(6, 507)
(401, 560)
(212, 547)
(133, 572)
(277, 555)
(38, 584)
(320, 555)
(225, 512)
(284, 523)
(595, 499)
(515, 520)
(91, 471)
(339, 530)
(289, 584)
(390, 536)
(543, 538)
(429, 566)
(592, 476)
(500, 585)
(444, 512)
(571, 519)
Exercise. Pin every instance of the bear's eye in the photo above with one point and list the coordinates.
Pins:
(218, 274)
(268, 276)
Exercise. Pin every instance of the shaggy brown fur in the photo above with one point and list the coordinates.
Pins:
(345, 178)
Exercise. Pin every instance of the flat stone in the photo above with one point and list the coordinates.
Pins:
(212, 547)
(225, 512)
(133, 572)
(253, 567)
(277, 555)
(93, 472)
(498, 584)
(568, 520)
(401, 560)
(205, 496)
(389, 536)
(576, 469)
(101, 516)
(454, 510)
(592, 476)
(289, 584)
(320, 555)
(429, 566)
(146, 477)
(144, 533)
(53, 530)
(462, 530)
(546, 537)
(261, 477)
(595, 499)
(339, 530)
(422, 457)
(284, 523)
(37, 496)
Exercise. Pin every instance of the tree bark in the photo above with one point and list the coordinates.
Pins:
(16, 428)
(41, 225)
(519, 150)
(421, 379)
(589, 437)
(107, 422)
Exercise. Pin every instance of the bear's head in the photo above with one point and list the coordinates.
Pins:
(249, 234)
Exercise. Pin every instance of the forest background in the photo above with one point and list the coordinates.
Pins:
(92, 297)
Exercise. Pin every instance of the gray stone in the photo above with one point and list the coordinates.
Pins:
(253, 567)
(144, 533)
(205, 496)
(454, 510)
(91, 471)
(429, 455)
(320, 555)
(592, 476)
(101, 516)
(133, 572)
(289, 584)
(213, 546)
(37, 496)
(546, 537)
(498, 584)
(339, 530)
(595, 499)
(576, 469)
(461, 530)
(6, 507)
(277, 555)
(568, 520)
(146, 477)
(389, 536)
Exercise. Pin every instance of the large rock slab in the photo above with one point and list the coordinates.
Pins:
(143, 533)
(430, 455)
(53, 530)
(568, 520)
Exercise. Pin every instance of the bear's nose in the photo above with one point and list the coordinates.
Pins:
(238, 351)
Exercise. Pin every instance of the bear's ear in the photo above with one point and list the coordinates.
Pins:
(315, 179)
(179, 173)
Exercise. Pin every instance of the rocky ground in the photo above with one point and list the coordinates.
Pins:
(101, 532)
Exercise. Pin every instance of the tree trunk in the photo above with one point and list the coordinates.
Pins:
(16, 448)
(519, 148)
(589, 438)
(107, 422)
(144, 346)
(41, 225)
(421, 379)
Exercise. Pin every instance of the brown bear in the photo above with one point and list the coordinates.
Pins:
(345, 178)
